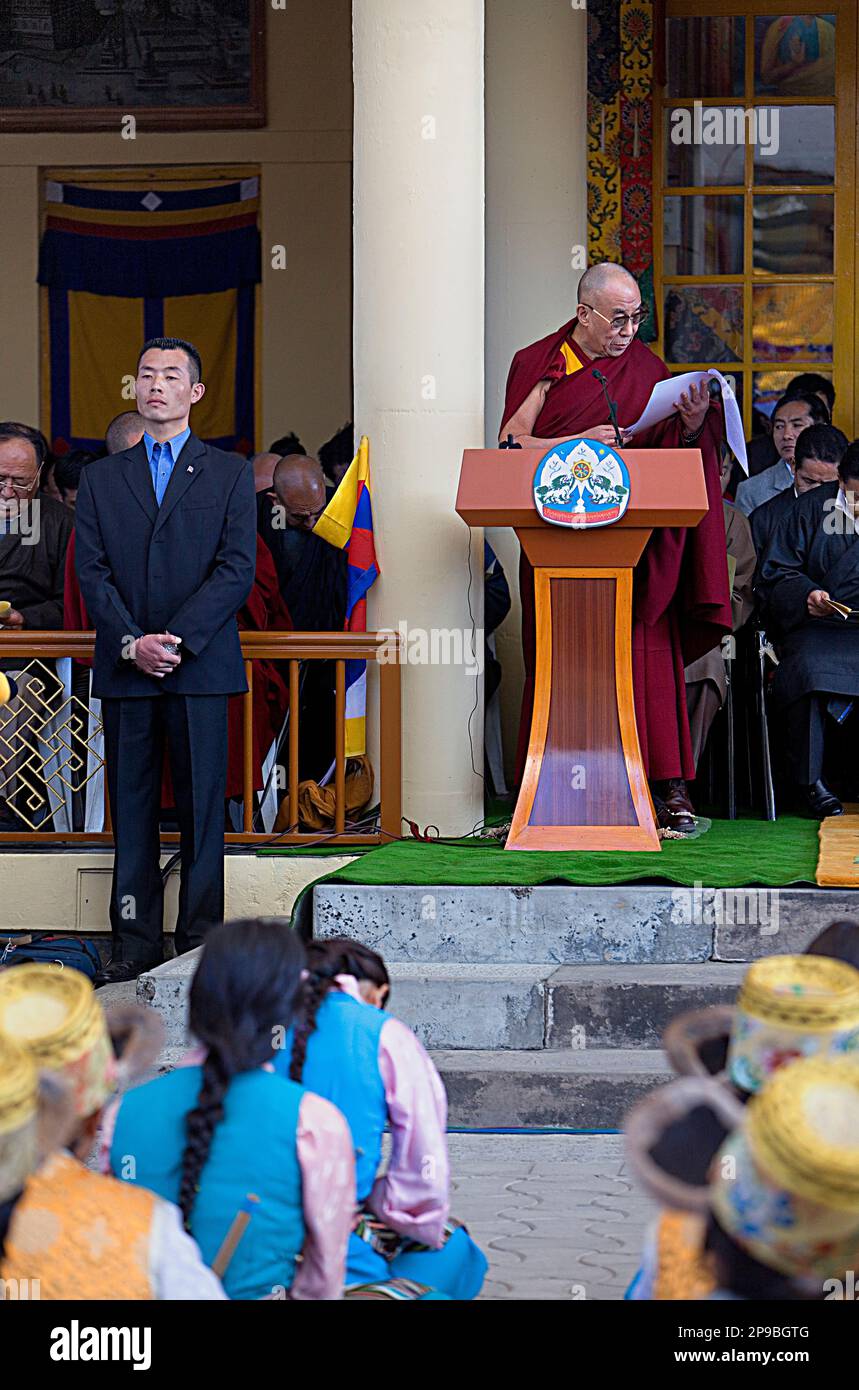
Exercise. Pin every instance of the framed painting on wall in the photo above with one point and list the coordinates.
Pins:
(171, 64)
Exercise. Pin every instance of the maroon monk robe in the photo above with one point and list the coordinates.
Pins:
(681, 599)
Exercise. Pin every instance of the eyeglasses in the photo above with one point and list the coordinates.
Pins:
(17, 486)
(619, 321)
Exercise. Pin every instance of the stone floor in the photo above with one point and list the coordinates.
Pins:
(558, 1216)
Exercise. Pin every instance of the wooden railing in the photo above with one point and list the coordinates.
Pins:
(21, 649)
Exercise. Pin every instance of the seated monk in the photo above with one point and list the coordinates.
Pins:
(264, 611)
(682, 606)
(813, 559)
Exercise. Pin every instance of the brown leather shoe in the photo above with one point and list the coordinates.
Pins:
(679, 807)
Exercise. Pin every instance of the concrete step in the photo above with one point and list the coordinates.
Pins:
(624, 1006)
(564, 925)
(590, 1089)
(509, 1007)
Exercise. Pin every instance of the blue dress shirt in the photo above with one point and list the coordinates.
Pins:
(162, 459)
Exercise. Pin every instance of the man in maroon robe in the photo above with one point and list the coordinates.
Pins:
(682, 603)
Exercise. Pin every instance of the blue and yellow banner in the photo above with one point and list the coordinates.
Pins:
(120, 264)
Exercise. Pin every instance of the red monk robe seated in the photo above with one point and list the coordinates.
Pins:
(681, 604)
(264, 611)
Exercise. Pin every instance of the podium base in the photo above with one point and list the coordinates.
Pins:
(584, 785)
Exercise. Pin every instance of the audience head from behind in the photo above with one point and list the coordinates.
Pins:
(337, 453)
(839, 941)
(241, 1004)
(124, 431)
(792, 415)
(299, 492)
(57, 1018)
(821, 386)
(67, 474)
(169, 382)
(848, 476)
(264, 466)
(23, 451)
(327, 961)
(287, 444)
(819, 450)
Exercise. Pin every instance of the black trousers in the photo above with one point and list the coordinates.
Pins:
(194, 730)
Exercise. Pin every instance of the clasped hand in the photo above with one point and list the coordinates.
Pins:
(149, 656)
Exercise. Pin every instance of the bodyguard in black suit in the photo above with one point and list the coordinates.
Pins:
(165, 555)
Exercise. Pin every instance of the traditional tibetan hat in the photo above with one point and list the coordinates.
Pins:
(787, 1007)
(55, 1015)
(786, 1185)
(790, 1007)
(19, 1108)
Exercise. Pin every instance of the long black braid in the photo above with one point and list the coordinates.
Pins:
(338, 955)
(242, 1000)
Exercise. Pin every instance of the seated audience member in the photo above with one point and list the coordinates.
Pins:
(772, 1187)
(34, 535)
(376, 1072)
(813, 558)
(787, 1007)
(820, 385)
(819, 450)
(67, 473)
(337, 454)
(123, 432)
(207, 1136)
(313, 584)
(264, 466)
(79, 1234)
(287, 444)
(706, 678)
(791, 416)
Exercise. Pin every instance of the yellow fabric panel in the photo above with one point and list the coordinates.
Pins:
(105, 334)
(571, 360)
(190, 216)
(208, 321)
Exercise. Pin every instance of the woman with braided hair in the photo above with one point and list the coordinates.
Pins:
(374, 1069)
(211, 1135)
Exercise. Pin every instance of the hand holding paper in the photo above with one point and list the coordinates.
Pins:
(663, 403)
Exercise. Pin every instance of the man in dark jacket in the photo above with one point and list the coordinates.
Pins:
(165, 553)
(34, 534)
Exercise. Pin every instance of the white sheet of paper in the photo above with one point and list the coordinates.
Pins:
(664, 397)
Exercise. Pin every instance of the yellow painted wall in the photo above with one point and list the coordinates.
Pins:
(305, 154)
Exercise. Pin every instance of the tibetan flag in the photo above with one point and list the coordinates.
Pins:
(347, 523)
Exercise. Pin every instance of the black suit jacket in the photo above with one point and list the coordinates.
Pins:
(185, 567)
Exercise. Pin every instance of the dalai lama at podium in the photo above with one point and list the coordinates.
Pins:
(681, 598)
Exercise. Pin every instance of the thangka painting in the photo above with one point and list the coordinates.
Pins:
(621, 39)
(171, 64)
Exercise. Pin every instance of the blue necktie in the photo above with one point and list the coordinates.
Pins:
(160, 482)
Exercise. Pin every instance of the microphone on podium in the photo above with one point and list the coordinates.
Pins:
(612, 405)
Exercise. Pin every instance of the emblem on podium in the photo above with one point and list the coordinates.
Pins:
(581, 483)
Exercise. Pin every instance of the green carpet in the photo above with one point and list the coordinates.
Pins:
(732, 854)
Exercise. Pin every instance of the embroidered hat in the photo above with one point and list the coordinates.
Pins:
(19, 1105)
(55, 1015)
(787, 1007)
(786, 1185)
(790, 1007)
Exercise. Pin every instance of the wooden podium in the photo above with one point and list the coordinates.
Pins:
(584, 785)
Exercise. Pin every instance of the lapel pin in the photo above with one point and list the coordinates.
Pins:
(190, 468)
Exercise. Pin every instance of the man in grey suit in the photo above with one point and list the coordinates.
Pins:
(791, 416)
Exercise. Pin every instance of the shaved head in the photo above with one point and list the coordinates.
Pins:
(605, 278)
(300, 487)
(264, 466)
(124, 432)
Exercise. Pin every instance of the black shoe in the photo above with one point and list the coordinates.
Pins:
(821, 802)
(119, 972)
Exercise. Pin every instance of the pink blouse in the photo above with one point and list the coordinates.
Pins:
(412, 1195)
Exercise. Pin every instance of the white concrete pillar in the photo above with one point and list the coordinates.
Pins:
(536, 213)
(418, 361)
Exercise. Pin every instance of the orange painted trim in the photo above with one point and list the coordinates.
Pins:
(542, 696)
(638, 785)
